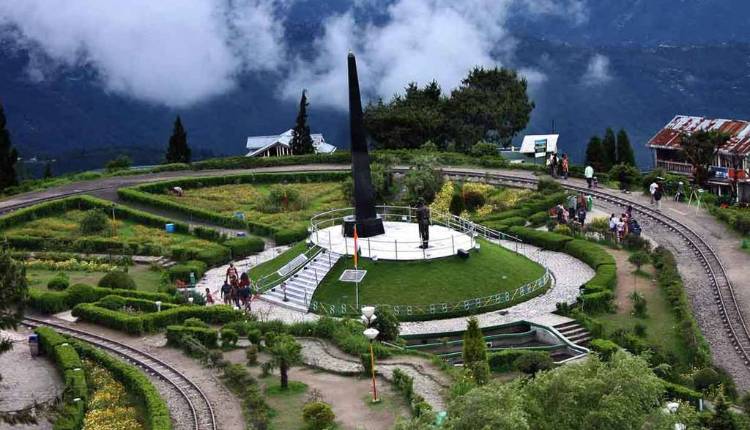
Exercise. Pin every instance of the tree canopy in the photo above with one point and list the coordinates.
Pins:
(700, 149)
(285, 352)
(8, 156)
(595, 156)
(490, 104)
(302, 142)
(178, 150)
(475, 352)
(13, 292)
(625, 153)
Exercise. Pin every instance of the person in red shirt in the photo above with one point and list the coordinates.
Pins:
(209, 297)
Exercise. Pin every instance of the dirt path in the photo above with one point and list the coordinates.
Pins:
(348, 395)
(627, 282)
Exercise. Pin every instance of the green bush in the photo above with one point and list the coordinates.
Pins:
(206, 336)
(679, 392)
(251, 354)
(318, 416)
(229, 337)
(514, 221)
(244, 246)
(48, 302)
(195, 322)
(116, 320)
(214, 256)
(59, 282)
(596, 302)
(66, 357)
(548, 186)
(94, 222)
(590, 253)
(705, 379)
(605, 348)
(539, 219)
(605, 277)
(117, 280)
(533, 362)
(182, 271)
(112, 302)
(505, 360)
(542, 239)
(288, 236)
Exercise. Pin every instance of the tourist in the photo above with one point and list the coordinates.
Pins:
(657, 197)
(588, 172)
(554, 164)
(231, 271)
(226, 293)
(234, 293)
(581, 215)
(572, 202)
(565, 166)
(209, 297)
(634, 227)
(613, 224)
(652, 190)
(680, 194)
(629, 211)
(244, 290)
(560, 212)
(620, 229)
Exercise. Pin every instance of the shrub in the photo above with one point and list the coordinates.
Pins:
(533, 361)
(705, 379)
(244, 246)
(386, 324)
(287, 236)
(539, 219)
(318, 416)
(48, 302)
(251, 354)
(117, 280)
(206, 336)
(639, 304)
(638, 259)
(679, 392)
(182, 271)
(605, 348)
(121, 321)
(542, 239)
(639, 329)
(505, 360)
(590, 253)
(627, 175)
(563, 229)
(605, 277)
(548, 186)
(194, 322)
(93, 222)
(596, 302)
(283, 198)
(229, 337)
(59, 282)
(481, 149)
(114, 303)
(254, 336)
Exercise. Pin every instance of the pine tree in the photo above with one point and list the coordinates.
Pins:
(625, 153)
(609, 145)
(178, 150)
(475, 352)
(302, 142)
(48, 170)
(595, 154)
(722, 417)
(8, 156)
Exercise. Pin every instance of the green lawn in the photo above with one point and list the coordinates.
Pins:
(249, 198)
(67, 226)
(277, 263)
(145, 279)
(490, 271)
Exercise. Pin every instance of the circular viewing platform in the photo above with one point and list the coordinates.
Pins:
(401, 239)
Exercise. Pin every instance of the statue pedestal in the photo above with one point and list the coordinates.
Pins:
(365, 227)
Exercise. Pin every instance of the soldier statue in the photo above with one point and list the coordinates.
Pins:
(423, 219)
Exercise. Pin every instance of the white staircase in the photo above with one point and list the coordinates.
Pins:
(302, 284)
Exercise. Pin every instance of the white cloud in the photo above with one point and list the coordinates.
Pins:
(171, 52)
(598, 71)
(418, 41)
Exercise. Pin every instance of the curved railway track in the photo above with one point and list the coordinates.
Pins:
(200, 411)
(724, 295)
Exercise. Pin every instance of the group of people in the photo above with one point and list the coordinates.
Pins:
(237, 290)
(558, 166)
(624, 225)
(574, 210)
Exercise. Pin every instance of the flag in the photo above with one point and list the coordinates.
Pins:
(355, 247)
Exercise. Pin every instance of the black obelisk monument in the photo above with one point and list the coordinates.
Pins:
(365, 217)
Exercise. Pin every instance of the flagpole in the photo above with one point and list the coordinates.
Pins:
(355, 267)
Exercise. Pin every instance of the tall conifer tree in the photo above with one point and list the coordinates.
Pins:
(8, 156)
(609, 144)
(475, 352)
(178, 150)
(595, 156)
(302, 142)
(625, 153)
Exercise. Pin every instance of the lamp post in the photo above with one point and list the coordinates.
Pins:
(368, 317)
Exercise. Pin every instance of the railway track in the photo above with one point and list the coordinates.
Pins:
(724, 295)
(200, 413)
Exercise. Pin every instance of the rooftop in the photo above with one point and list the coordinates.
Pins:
(670, 137)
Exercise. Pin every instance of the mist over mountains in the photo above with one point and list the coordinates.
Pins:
(84, 95)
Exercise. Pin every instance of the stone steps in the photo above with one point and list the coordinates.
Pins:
(574, 332)
(301, 285)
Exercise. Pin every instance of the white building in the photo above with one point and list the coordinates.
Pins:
(273, 146)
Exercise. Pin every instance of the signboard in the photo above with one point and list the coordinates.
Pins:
(351, 275)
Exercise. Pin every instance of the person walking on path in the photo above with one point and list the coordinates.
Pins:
(565, 166)
(582, 215)
(680, 194)
(572, 203)
(231, 273)
(226, 293)
(588, 172)
(209, 297)
(657, 197)
(652, 190)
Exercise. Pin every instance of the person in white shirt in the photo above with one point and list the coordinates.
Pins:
(652, 190)
(588, 172)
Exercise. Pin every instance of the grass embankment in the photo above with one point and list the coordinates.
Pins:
(145, 278)
(278, 262)
(446, 280)
(249, 198)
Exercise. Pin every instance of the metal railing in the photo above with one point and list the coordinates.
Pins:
(406, 249)
(272, 280)
(436, 309)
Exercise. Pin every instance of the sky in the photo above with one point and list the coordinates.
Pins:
(180, 53)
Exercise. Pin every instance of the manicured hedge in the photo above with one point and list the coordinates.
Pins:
(84, 245)
(244, 246)
(288, 236)
(50, 302)
(496, 225)
(539, 219)
(405, 384)
(505, 360)
(116, 320)
(66, 358)
(206, 336)
(542, 239)
(676, 391)
(605, 348)
(596, 302)
(515, 221)
(590, 253)
(140, 304)
(156, 412)
(605, 277)
(669, 279)
(182, 271)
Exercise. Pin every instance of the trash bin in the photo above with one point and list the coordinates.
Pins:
(241, 234)
(169, 227)
(34, 345)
